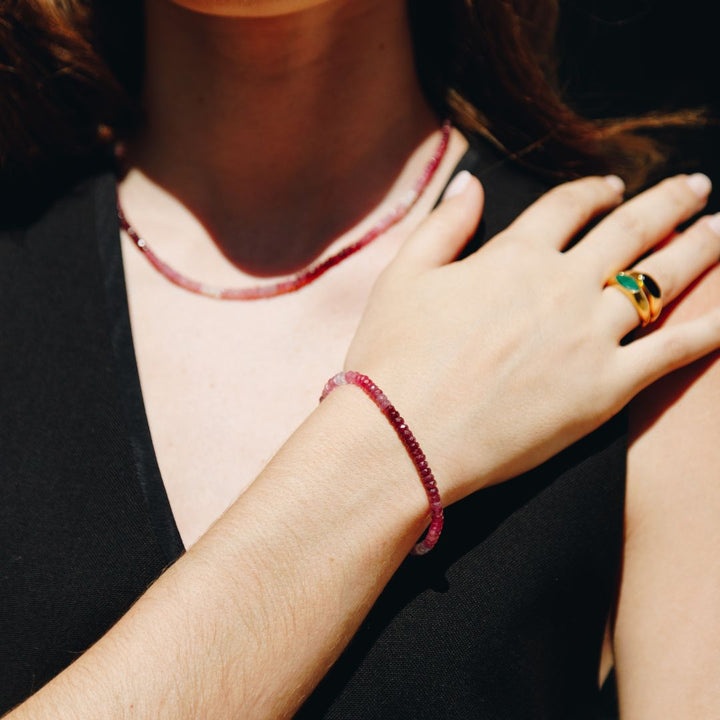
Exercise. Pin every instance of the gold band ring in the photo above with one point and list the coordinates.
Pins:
(643, 291)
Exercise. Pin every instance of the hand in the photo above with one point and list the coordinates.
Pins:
(502, 359)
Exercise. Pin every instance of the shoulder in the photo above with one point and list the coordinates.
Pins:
(50, 249)
(30, 202)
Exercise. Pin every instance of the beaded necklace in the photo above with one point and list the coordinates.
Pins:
(313, 272)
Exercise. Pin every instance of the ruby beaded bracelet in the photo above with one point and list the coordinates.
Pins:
(350, 377)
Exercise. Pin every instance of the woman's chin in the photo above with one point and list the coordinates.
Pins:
(248, 8)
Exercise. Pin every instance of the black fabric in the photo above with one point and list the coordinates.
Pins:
(504, 619)
(148, 472)
(76, 546)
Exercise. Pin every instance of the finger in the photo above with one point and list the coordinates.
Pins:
(442, 235)
(562, 212)
(673, 268)
(639, 224)
(672, 347)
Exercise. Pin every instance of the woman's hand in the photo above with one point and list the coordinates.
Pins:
(496, 361)
(502, 359)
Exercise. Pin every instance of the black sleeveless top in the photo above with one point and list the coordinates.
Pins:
(504, 619)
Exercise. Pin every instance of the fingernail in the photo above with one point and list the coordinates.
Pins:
(714, 223)
(700, 184)
(458, 185)
(615, 182)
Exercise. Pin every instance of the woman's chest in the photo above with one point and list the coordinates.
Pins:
(225, 383)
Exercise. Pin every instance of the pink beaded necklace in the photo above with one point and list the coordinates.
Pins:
(305, 277)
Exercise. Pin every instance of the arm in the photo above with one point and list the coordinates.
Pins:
(247, 622)
(667, 632)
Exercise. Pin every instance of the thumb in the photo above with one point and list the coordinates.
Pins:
(442, 235)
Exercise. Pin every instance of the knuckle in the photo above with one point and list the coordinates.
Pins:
(440, 224)
(452, 227)
(629, 222)
(452, 221)
(571, 198)
(576, 194)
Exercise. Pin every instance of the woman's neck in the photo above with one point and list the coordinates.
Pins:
(281, 133)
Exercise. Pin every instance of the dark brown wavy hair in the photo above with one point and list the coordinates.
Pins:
(71, 73)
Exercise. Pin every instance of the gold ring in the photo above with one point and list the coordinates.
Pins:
(651, 290)
(629, 286)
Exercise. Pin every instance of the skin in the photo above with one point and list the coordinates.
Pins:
(667, 631)
(248, 621)
(215, 628)
(249, 8)
(219, 200)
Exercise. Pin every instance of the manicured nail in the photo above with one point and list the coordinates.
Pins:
(615, 182)
(458, 185)
(714, 223)
(700, 184)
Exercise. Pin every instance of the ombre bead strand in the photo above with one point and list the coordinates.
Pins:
(305, 277)
(350, 377)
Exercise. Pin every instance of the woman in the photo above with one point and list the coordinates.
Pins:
(275, 133)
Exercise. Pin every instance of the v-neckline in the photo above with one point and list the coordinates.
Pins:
(147, 469)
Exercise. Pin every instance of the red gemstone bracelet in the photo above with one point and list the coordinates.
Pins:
(350, 377)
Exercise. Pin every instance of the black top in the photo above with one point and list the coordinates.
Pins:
(504, 619)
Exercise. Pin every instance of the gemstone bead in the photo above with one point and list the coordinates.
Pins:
(307, 276)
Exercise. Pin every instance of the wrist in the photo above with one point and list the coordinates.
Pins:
(361, 443)
(406, 436)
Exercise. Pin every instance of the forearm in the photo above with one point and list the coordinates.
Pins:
(249, 620)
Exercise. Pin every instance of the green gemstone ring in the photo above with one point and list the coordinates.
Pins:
(643, 291)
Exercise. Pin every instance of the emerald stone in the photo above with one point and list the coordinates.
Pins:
(628, 282)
